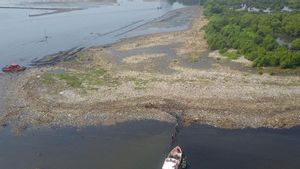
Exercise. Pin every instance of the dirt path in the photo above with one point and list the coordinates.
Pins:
(155, 77)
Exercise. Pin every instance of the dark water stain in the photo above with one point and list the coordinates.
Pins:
(127, 146)
(160, 64)
(53, 59)
(144, 145)
(205, 62)
(212, 148)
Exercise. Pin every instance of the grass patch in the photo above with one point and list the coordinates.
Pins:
(96, 76)
(233, 55)
(260, 70)
(98, 72)
(71, 79)
(140, 84)
(47, 78)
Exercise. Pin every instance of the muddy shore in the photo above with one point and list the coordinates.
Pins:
(155, 77)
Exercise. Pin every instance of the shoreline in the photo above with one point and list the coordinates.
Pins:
(49, 10)
(150, 78)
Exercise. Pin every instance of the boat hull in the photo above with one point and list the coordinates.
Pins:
(174, 159)
(12, 70)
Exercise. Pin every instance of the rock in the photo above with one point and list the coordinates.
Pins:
(4, 125)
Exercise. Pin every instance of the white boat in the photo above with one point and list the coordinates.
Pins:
(174, 159)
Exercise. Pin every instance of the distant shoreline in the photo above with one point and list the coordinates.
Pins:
(39, 8)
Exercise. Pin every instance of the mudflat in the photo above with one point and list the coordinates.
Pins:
(161, 77)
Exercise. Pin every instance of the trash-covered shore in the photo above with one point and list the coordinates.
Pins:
(151, 78)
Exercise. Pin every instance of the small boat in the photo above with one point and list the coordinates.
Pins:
(13, 68)
(174, 159)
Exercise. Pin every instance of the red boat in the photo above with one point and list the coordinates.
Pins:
(13, 68)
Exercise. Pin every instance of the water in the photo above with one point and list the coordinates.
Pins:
(212, 148)
(139, 145)
(144, 145)
(24, 38)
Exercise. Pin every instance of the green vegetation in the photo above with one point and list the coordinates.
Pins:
(296, 44)
(232, 55)
(253, 34)
(71, 79)
(140, 84)
(94, 77)
(261, 4)
(47, 78)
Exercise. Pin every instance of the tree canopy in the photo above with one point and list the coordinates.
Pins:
(253, 34)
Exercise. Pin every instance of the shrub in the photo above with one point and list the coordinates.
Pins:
(296, 44)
